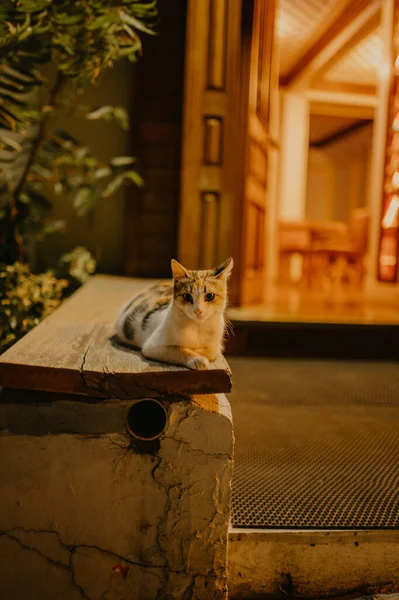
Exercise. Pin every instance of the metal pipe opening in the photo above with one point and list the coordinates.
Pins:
(146, 419)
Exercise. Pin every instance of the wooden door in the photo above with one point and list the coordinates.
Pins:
(223, 203)
(258, 63)
(210, 132)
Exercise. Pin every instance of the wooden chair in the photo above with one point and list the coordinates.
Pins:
(301, 238)
(339, 256)
(358, 238)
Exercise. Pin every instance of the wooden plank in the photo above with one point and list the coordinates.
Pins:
(72, 352)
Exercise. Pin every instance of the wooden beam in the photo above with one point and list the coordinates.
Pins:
(335, 97)
(340, 104)
(344, 87)
(356, 20)
(340, 134)
(328, 109)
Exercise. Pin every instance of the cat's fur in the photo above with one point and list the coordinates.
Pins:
(178, 323)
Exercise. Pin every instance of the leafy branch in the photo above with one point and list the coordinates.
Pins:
(80, 39)
(38, 140)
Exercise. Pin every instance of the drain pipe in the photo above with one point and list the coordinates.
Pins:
(146, 420)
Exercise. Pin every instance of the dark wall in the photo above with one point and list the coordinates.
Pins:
(101, 231)
(152, 213)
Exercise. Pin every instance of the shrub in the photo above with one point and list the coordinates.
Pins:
(79, 40)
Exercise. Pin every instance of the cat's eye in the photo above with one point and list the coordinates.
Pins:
(188, 298)
(209, 297)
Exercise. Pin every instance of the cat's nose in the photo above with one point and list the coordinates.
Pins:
(198, 312)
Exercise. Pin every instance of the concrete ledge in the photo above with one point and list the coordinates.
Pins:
(88, 514)
(310, 564)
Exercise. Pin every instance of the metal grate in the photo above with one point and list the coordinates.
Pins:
(317, 444)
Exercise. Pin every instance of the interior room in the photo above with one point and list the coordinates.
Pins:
(325, 200)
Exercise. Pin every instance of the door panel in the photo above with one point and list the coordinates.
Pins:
(210, 132)
(257, 164)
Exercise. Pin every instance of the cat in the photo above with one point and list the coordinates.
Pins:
(182, 322)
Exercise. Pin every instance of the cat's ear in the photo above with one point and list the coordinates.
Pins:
(178, 270)
(224, 270)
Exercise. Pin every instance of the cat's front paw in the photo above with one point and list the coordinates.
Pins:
(199, 363)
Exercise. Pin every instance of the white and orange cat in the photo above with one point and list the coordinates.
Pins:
(181, 322)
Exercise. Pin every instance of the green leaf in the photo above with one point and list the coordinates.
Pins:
(130, 51)
(99, 113)
(5, 97)
(32, 5)
(121, 161)
(8, 142)
(121, 115)
(82, 152)
(20, 78)
(103, 172)
(10, 87)
(113, 186)
(135, 177)
(105, 20)
(110, 112)
(117, 182)
(54, 226)
(135, 23)
(84, 200)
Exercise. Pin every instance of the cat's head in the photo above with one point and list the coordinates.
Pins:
(201, 294)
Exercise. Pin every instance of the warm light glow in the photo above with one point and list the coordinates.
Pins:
(388, 250)
(393, 163)
(285, 28)
(388, 261)
(395, 124)
(395, 143)
(391, 215)
(373, 48)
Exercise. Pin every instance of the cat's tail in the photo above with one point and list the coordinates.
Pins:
(125, 325)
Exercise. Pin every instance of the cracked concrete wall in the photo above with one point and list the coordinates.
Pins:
(85, 515)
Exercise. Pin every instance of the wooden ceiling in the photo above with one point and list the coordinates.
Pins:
(298, 23)
(329, 41)
(359, 65)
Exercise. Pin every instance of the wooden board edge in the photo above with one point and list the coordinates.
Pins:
(114, 385)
